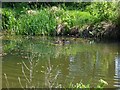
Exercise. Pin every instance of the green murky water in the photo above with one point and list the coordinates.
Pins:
(48, 61)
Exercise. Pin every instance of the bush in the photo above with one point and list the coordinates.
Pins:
(41, 23)
(101, 84)
(8, 19)
(76, 18)
(103, 11)
(47, 18)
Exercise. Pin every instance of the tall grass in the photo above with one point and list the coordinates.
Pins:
(42, 23)
(77, 18)
(8, 19)
(46, 19)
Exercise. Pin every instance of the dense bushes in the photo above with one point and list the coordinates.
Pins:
(103, 11)
(8, 19)
(43, 20)
(41, 23)
(46, 21)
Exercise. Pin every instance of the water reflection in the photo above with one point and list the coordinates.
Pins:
(77, 60)
(71, 58)
(117, 71)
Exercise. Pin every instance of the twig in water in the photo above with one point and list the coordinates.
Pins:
(20, 83)
(50, 80)
(7, 83)
(25, 66)
(25, 74)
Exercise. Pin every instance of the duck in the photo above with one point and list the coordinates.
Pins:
(62, 42)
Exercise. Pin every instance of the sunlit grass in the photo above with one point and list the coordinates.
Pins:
(44, 21)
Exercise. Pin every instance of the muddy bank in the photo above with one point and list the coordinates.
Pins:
(102, 31)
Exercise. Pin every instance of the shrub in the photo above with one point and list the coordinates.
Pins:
(42, 23)
(102, 11)
(8, 19)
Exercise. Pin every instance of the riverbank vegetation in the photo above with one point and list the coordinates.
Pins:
(97, 20)
(81, 19)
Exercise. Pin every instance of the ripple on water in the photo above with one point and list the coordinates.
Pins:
(116, 81)
(117, 72)
(94, 61)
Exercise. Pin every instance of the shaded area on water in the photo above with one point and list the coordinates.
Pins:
(73, 59)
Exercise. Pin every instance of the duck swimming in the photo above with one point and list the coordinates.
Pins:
(62, 42)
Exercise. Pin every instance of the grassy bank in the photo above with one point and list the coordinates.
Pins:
(76, 19)
(29, 24)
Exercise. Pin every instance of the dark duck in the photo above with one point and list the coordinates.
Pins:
(62, 42)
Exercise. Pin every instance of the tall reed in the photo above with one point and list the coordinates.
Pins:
(42, 23)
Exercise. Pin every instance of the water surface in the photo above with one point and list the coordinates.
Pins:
(52, 61)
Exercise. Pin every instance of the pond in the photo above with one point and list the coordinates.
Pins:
(54, 61)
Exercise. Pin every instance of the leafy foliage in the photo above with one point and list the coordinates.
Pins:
(41, 23)
(103, 11)
(8, 19)
(49, 15)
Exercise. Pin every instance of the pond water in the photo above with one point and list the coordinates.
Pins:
(54, 61)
